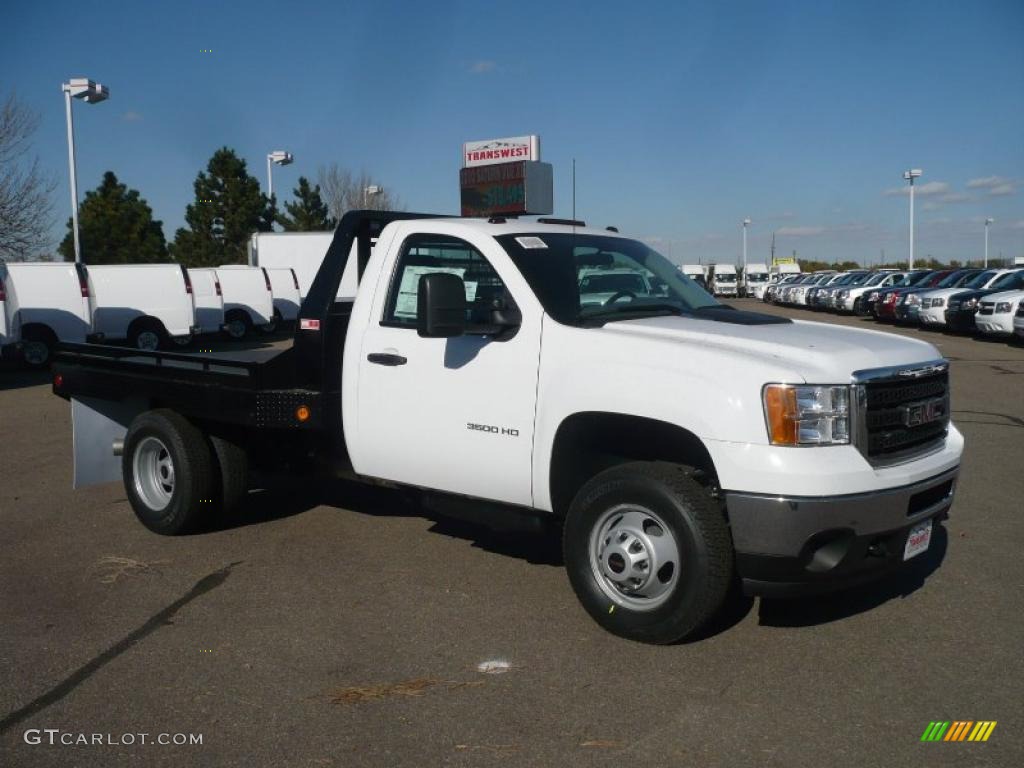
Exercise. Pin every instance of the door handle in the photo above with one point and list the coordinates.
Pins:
(386, 358)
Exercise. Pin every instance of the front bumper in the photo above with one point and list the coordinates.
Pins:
(790, 546)
(960, 320)
(997, 325)
(907, 313)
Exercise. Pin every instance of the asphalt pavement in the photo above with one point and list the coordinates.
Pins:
(341, 625)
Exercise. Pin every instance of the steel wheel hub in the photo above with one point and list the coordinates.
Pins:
(154, 473)
(35, 352)
(236, 329)
(634, 557)
(148, 340)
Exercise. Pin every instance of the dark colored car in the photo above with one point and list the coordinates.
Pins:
(885, 308)
(909, 303)
(961, 307)
(872, 298)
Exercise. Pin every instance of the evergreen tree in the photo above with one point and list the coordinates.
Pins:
(228, 208)
(308, 213)
(116, 226)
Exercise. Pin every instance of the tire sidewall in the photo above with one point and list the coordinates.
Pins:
(668, 621)
(173, 518)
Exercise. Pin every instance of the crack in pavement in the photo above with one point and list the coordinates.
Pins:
(83, 673)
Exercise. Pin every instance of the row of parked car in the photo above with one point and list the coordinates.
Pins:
(987, 301)
(147, 306)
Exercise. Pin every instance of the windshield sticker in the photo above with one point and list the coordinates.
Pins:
(531, 242)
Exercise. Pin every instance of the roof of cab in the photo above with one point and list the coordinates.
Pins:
(509, 226)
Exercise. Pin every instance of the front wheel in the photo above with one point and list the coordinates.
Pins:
(648, 552)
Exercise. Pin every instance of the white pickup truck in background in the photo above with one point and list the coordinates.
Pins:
(681, 444)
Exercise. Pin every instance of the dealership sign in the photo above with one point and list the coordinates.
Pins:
(523, 187)
(491, 151)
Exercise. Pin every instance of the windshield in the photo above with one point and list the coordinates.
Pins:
(1009, 280)
(757, 277)
(950, 280)
(876, 279)
(564, 271)
(913, 278)
(725, 277)
(979, 280)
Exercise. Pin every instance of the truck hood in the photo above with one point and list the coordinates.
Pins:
(819, 353)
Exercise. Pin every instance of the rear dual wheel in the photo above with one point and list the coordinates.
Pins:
(176, 477)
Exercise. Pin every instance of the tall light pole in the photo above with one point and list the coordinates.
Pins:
(278, 157)
(746, 223)
(910, 175)
(91, 93)
(987, 222)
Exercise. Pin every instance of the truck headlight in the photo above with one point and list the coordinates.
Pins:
(913, 299)
(844, 294)
(1003, 306)
(873, 296)
(807, 414)
(938, 302)
(969, 304)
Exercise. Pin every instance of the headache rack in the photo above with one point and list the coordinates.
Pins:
(899, 414)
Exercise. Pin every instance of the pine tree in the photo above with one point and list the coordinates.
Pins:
(116, 226)
(308, 213)
(228, 208)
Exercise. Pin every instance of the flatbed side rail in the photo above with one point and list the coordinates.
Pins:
(179, 361)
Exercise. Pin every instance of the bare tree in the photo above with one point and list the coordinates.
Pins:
(25, 205)
(344, 191)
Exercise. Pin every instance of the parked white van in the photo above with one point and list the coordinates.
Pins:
(301, 251)
(41, 303)
(248, 299)
(207, 300)
(723, 279)
(145, 304)
(754, 280)
(284, 287)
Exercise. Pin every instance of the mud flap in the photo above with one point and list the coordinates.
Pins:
(96, 424)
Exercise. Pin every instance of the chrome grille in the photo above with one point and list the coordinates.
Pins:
(901, 413)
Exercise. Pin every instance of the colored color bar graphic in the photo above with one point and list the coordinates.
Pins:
(958, 730)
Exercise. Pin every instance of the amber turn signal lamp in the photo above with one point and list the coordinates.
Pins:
(780, 410)
(302, 413)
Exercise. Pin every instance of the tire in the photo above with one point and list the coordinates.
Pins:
(272, 327)
(37, 347)
(637, 500)
(168, 472)
(233, 471)
(147, 335)
(237, 324)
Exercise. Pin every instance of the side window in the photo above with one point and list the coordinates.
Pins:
(423, 254)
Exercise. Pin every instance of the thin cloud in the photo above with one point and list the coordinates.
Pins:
(955, 197)
(920, 190)
(482, 67)
(994, 186)
(131, 117)
(986, 181)
(800, 231)
(1017, 224)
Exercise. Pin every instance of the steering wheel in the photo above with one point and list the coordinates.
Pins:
(618, 295)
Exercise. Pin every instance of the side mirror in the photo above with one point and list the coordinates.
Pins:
(441, 306)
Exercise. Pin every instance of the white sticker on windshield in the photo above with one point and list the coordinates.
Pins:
(531, 242)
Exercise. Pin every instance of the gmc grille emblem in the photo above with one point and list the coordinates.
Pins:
(916, 414)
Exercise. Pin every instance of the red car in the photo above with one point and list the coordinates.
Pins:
(887, 305)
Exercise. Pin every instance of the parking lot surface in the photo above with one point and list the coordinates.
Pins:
(342, 625)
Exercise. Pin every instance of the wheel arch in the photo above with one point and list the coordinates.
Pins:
(590, 442)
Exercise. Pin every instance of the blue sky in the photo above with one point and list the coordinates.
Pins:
(683, 117)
